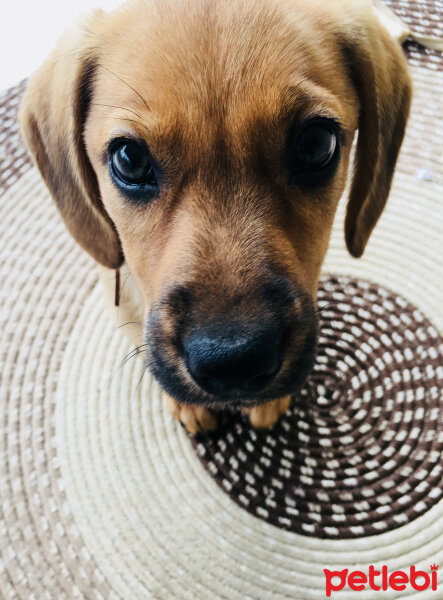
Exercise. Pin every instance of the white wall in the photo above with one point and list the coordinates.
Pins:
(29, 30)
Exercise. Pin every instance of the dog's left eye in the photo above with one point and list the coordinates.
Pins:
(315, 146)
(131, 164)
(315, 151)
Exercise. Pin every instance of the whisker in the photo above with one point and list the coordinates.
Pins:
(124, 283)
(141, 378)
(124, 119)
(130, 323)
(115, 106)
(322, 308)
(131, 354)
(126, 83)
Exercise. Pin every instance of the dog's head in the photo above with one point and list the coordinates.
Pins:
(207, 144)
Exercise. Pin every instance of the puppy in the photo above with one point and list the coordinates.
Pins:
(205, 146)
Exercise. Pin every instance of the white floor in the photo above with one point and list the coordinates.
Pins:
(29, 30)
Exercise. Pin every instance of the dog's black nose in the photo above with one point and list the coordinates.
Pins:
(223, 362)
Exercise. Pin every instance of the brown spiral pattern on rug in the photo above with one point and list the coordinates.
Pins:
(359, 451)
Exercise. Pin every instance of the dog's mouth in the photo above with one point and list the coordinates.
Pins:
(236, 363)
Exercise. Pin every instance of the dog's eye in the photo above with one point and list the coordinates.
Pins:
(314, 152)
(315, 146)
(131, 163)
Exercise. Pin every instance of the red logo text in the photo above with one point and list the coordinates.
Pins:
(380, 579)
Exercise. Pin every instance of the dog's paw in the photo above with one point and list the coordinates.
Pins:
(195, 418)
(266, 415)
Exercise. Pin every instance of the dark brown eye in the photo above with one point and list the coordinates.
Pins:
(131, 163)
(315, 147)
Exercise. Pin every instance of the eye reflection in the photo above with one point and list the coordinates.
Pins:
(131, 162)
(315, 146)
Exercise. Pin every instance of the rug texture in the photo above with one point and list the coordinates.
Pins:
(104, 497)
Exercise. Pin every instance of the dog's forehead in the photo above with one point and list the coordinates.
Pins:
(199, 59)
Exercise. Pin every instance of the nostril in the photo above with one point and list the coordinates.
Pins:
(221, 363)
(260, 381)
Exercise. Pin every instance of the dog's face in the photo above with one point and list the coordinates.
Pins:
(214, 139)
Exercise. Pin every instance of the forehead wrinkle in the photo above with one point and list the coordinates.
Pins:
(303, 93)
(308, 100)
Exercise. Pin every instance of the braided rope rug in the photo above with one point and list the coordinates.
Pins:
(103, 496)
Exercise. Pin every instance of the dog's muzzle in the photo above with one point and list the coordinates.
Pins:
(259, 350)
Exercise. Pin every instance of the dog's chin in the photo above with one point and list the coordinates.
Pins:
(178, 384)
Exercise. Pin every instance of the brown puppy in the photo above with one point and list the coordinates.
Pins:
(206, 144)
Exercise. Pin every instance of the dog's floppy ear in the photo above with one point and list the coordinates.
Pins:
(380, 75)
(52, 118)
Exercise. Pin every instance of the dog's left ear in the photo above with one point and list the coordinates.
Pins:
(380, 75)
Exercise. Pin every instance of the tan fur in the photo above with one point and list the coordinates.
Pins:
(213, 87)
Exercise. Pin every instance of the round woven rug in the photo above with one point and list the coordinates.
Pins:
(360, 450)
(104, 497)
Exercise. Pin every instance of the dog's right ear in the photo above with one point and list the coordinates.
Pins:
(52, 118)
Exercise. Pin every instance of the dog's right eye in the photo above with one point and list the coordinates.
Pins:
(132, 167)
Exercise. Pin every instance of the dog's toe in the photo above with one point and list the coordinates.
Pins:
(266, 415)
(195, 418)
